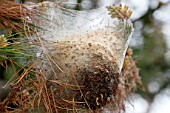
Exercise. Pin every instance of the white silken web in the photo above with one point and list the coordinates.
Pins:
(81, 27)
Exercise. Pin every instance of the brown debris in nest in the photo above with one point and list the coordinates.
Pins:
(98, 83)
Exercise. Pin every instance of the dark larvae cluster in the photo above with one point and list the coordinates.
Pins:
(99, 83)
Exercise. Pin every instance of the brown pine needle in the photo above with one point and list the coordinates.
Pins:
(17, 17)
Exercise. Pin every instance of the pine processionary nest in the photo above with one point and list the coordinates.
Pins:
(81, 70)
